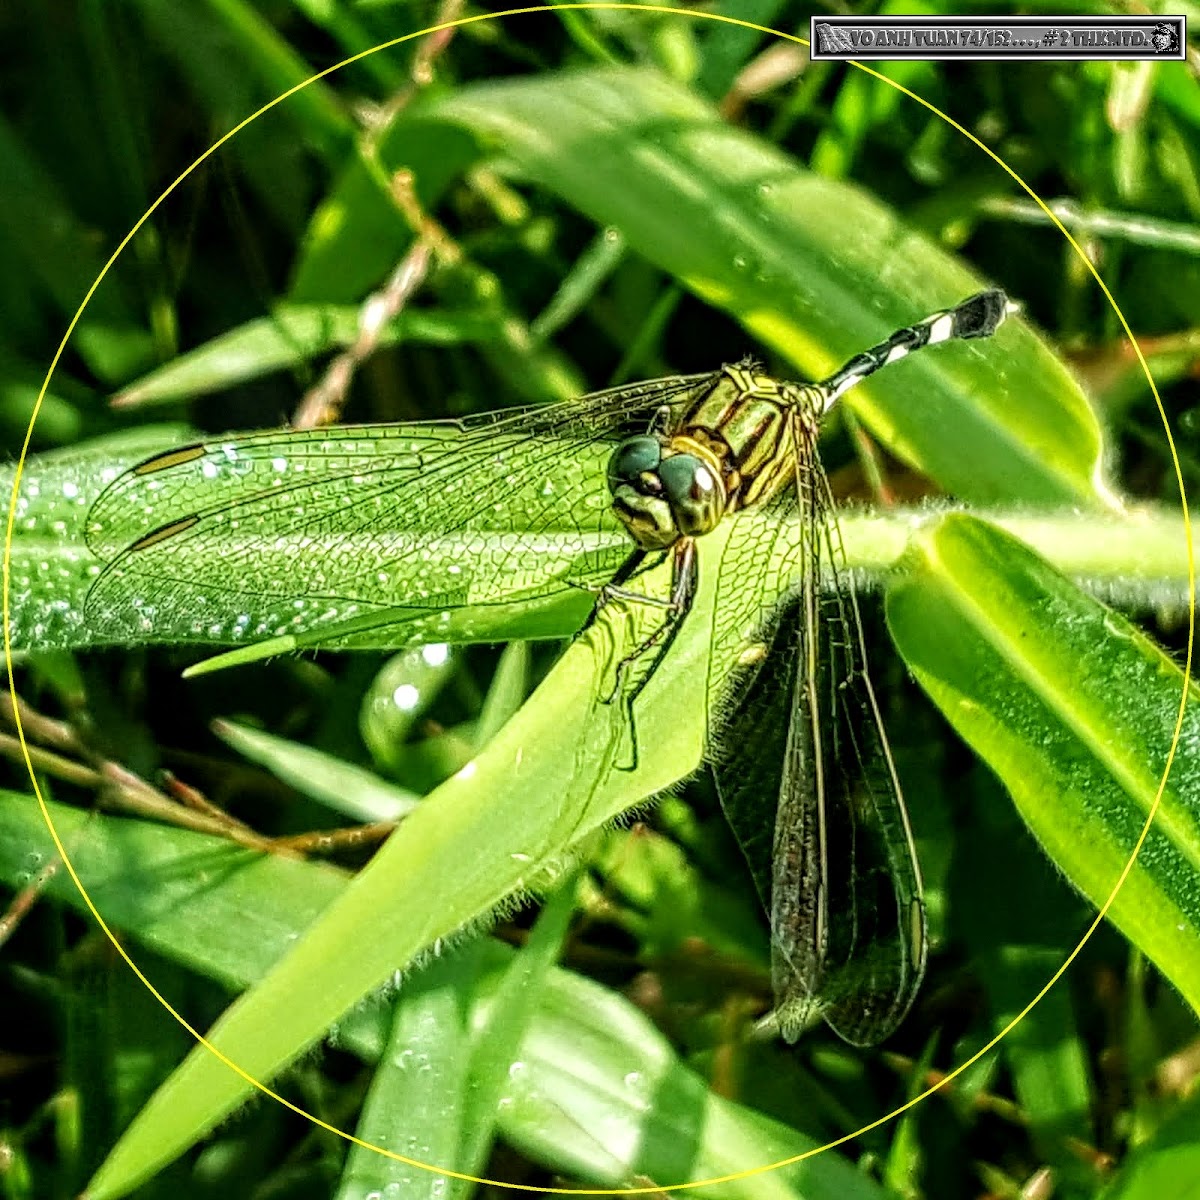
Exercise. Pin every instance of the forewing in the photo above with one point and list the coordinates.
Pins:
(262, 533)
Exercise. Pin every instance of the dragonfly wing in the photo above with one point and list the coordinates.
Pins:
(872, 932)
(748, 741)
(805, 777)
(763, 773)
(259, 532)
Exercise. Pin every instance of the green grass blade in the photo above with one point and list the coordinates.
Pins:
(1165, 1165)
(61, 260)
(348, 790)
(421, 1087)
(1014, 947)
(812, 267)
(605, 1098)
(542, 784)
(232, 61)
(292, 336)
(1136, 560)
(510, 1014)
(182, 892)
(1074, 709)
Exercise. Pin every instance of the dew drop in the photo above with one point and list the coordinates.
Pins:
(435, 654)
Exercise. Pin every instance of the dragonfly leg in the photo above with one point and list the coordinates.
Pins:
(675, 608)
(615, 593)
(660, 424)
(613, 587)
(684, 578)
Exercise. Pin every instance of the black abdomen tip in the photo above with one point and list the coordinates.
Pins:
(982, 314)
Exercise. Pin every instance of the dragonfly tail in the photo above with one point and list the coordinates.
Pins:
(979, 316)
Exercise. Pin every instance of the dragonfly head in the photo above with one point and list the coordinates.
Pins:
(662, 493)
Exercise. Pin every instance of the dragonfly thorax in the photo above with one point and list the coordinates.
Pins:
(664, 489)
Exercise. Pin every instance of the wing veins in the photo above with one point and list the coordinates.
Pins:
(600, 414)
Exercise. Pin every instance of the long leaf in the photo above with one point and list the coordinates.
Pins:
(1075, 710)
(485, 834)
(1137, 560)
(590, 1061)
(812, 267)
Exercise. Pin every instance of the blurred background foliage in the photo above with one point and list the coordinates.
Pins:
(230, 305)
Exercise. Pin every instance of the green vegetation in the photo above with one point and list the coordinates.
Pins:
(526, 982)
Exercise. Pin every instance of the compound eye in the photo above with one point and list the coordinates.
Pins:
(692, 492)
(685, 479)
(634, 457)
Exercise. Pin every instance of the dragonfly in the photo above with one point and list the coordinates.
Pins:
(798, 750)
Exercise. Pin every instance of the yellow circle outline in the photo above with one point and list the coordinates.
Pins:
(652, 1189)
